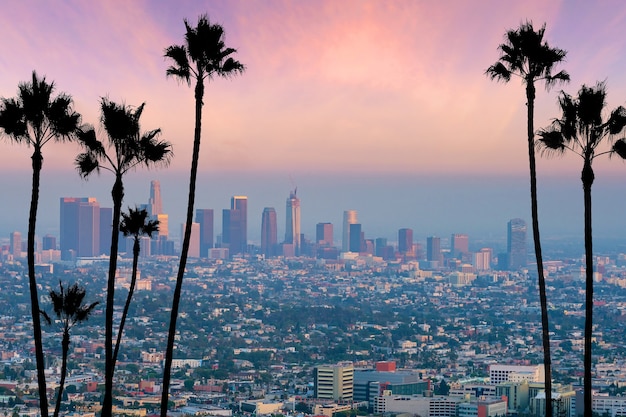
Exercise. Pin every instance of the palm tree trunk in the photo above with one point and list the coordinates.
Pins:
(131, 290)
(199, 93)
(37, 161)
(117, 194)
(545, 328)
(587, 178)
(66, 348)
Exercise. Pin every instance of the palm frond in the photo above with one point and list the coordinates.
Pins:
(86, 163)
(180, 69)
(619, 148)
(13, 120)
(551, 142)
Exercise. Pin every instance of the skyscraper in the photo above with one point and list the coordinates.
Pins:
(269, 233)
(516, 243)
(459, 244)
(235, 225)
(15, 242)
(433, 249)
(292, 225)
(106, 226)
(155, 204)
(324, 234)
(356, 238)
(349, 217)
(194, 242)
(405, 240)
(49, 242)
(80, 227)
(204, 217)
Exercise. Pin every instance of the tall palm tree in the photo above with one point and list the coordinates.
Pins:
(526, 55)
(68, 306)
(203, 57)
(36, 117)
(135, 223)
(581, 130)
(125, 148)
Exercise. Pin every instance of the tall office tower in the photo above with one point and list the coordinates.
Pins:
(481, 261)
(49, 242)
(459, 244)
(269, 232)
(80, 227)
(155, 203)
(405, 240)
(324, 234)
(356, 238)
(164, 226)
(349, 217)
(204, 217)
(334, 382)
(516, 243)
(15, 241)
(433, 249)
(106, 227)
(194, 242)
(235, 225)
(292, 225)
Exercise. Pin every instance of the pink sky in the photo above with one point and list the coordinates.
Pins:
(355, 86)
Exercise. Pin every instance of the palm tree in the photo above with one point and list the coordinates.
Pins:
(526, 55)
(582, 130)
(68, 306)
(36, 117)
(125, 149)
(203, 57)
(135, 223)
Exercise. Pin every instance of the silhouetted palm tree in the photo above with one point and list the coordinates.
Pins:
(126, 148)
(203, 57)
(68, 306)
(582, 130)
(36, 117)
(135, 223)
(526, 55)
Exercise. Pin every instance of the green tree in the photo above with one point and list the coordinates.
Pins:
(203, 57)
(135, 223)
(36, 117)
(582, 130)
(126, 148)
(67, 304)
(526, 55)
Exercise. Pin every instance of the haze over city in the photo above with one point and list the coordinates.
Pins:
(379, 107)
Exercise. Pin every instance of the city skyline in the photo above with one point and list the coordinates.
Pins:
(366, 131)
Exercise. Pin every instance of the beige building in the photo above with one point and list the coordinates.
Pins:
(335, 382)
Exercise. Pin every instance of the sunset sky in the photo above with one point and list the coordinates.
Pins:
(351, 89)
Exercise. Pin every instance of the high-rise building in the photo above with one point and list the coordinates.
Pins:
(292, 225)
(349, 217)
(516, 243)
(405, 240)
(194, 242)
(155, 203)
(459, 244)
(80, 227)
(433, 249)
(235, 225)
(15, 241)
(204, 217)
(269, 232)
(49, 242)
(106, 227)
(324, 234)
(356, 238)
(334, 382)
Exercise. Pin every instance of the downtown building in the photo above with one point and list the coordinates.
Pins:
(293, 244)
(516, 244)
(269, 233)
(235, 226)
(85, 228)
